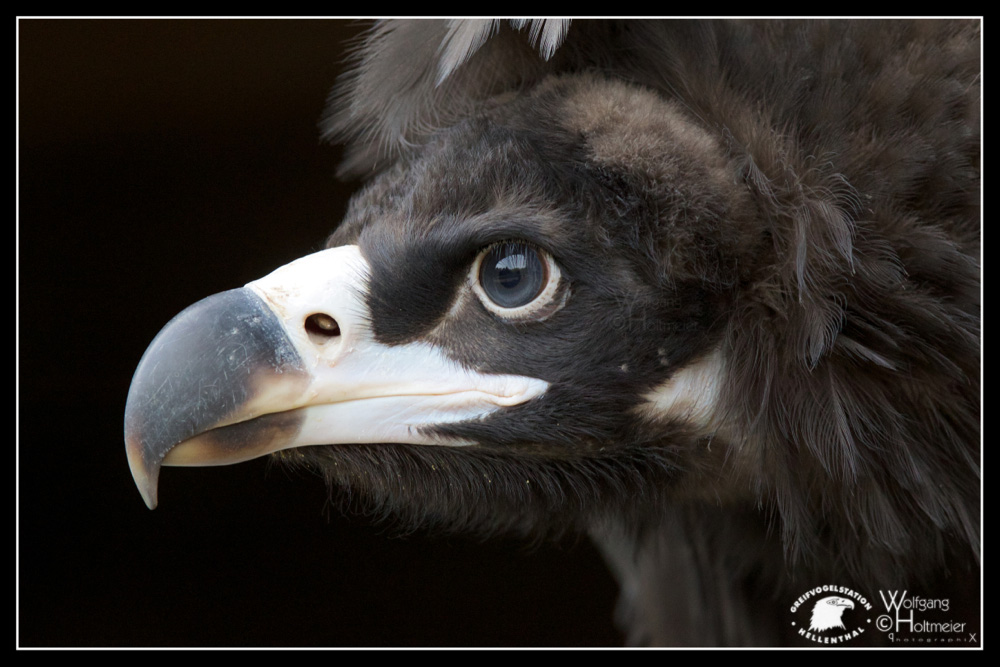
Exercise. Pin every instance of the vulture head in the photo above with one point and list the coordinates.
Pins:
(707, 291)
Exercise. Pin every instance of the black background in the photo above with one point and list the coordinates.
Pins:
(161, 161)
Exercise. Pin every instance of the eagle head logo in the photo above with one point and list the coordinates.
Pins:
(827, 613)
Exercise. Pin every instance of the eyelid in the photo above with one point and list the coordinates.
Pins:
(552, 297)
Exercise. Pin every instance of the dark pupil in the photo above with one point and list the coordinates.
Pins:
(512, 275)
(508, 278)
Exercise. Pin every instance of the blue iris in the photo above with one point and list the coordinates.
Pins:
(512, 274)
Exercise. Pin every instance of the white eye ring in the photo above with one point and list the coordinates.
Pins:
(551, 297)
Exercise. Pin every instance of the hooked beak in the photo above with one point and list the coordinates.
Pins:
(289, 361)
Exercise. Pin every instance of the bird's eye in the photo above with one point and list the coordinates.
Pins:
(516, 280)
(512, 274)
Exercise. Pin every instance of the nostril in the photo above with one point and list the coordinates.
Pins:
(321, 328)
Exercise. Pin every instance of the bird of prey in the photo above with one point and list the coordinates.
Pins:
(707, 291)
(828, 613)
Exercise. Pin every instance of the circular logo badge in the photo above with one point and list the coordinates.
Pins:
(830, 614)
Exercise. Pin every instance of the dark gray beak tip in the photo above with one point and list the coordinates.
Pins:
(198, 372)
(144, 474)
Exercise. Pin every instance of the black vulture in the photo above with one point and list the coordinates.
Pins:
(707, 291)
